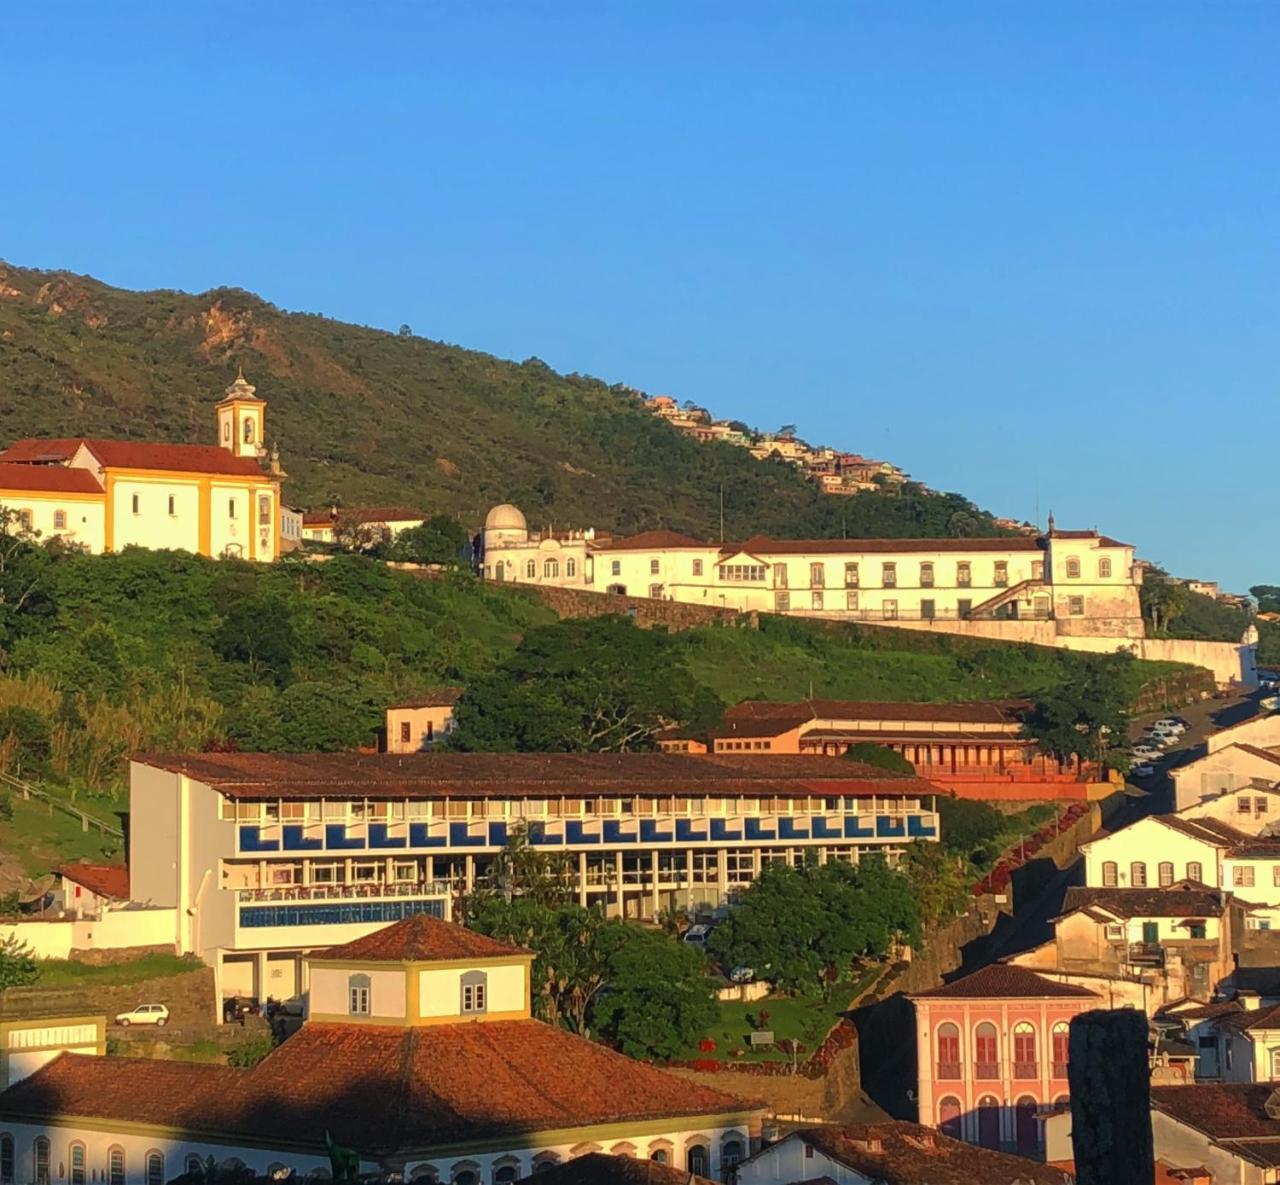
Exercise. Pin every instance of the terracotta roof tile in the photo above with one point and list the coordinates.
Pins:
(440, 697)
(377, 1089)
(910, 1154)
(131, 454)
(651, 541)
(764, 545)
(1008, 981)
(531, 775)
(422, 939)
(772, 718)
(1183, 900)
(47, 478)
(107, 880)
(1231, 1114)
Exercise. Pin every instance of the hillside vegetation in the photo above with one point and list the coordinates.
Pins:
(364, 416)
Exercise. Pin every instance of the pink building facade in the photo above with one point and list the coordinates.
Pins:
(991, 1052)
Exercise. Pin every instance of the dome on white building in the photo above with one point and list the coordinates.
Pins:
(505, 524)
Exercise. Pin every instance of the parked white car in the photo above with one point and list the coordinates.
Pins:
(697, 935)
(144, 1014)
(1172, 723)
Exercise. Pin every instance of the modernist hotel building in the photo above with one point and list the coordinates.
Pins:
(261, 857)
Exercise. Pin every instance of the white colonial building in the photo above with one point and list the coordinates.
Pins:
(419, 1057)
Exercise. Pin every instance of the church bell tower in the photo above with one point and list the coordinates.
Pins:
(241, 420)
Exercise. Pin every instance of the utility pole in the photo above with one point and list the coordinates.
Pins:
(722, 512)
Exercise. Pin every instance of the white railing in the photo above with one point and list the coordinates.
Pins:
(356, 892)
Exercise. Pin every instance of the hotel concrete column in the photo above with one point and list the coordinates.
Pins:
(722, 866)
(582, 879)
(469, 873)
(260, 975)
(655, 897)
(688, 878)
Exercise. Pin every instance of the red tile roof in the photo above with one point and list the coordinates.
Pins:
(532, 775)
(764, 545)
(57, 479)
(772, 718)
(910, 1154)
(131, 454)
(1233, 1115)
(651, 541)
(422, 939)
(107, 880)
(377, 1089)
(599, 1168)
(1007, 981)
(441, 697)
(1183, 900)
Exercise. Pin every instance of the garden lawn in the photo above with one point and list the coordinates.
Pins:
(67, 973)
(37, 839)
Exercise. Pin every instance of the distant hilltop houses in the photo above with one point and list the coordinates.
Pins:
(833, 471)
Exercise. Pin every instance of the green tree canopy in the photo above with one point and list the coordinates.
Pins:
(1087, 718)
(18, 966)
(439, 540)
(881, 756)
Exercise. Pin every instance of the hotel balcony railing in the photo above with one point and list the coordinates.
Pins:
(283, 893)
(986, 1070)
(1059, 1069)
(1146, 954)
(949, 1070)
(1026, 1071)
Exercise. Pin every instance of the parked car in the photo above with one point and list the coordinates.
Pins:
(1172, 724)
(236, 1008)
(1143, 769)
(144, 1014)
(1144, 753)
(697, 935)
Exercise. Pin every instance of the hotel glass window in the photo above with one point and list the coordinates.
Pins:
(926, 575)
(1075, 606)
(817, 599)
(1073, 568)
(40, 1154)
(475, 993)
(358, 995)
(964, 574)
(1104, 569)
(889, 610)
(851, 600)
(1242, 876)
(1002, 573)
(741, 866)
(1138, 875)
(531, 569)
(78, 1174)
(737, 573)
(1166, 873)
(137, 503)
(1195, 871)
(155, 1168)
(551, 568)
(889, 575)
(571, 567)
(928, 610)
(851, 575)
(59, 520)
(115, 1166)
(615, 567)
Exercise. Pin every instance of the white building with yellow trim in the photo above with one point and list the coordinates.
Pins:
(105, 495)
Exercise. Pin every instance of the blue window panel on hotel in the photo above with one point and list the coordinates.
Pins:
(790, 829)
(538, 834)
(335, 836)
(720, 830)
(918, 828)
(461, 837)
(335, 913)
(826, 829)
(852, 830)
(497, 835)
(251, 840)
(295, 839)
(686, 834)
(613, 833)
(574, 832)
(649, 832)
(889, 827)
(420, 837)
(757, 830)
(378, 837)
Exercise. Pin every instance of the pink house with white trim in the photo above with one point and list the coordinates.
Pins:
(991, 1051)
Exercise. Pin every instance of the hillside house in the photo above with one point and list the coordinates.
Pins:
(415, 725)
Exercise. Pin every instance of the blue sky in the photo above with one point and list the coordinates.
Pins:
(1028, 251)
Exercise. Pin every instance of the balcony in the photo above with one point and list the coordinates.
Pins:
(1145, 954)
(1059, 1069)
(1026, 1071)
(987, 1071)
(949, 1071)
(357, 892)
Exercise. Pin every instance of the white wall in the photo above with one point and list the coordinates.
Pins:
(1151, 842)
(1224, 769)
(440, 989)
(116, 928)
(1261, 731)
(329, 988)
(1178, 1144)
(86, 517)
(153, 526)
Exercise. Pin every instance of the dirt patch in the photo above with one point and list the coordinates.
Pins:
(189, 998)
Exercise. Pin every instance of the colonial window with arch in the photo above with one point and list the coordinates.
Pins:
(40, 1156)
(583, 1150)
(531, 569)
(1073, 568)
(626, 1148)
(571, 567)
(697, 1159)
(1110, 874)
(544, 1161)
(192, 1163)
(475, 992)
(1138, 874)
(155, 1167)
(986, 1051)
(276, 1168)
(6, 1158)
(1104, 569)
(731, 1153)
(949, 1117)
(59, 520)
(359, 995)
(423, 1173)
(551, 568)
(465, 1172)
(76, 1160)
(660, 1151)
(233, 1164)
(1165, 873)
(226, 430)
(1061, 1037)
(948, 1041)
(115, 1165)
(1026, 1127)
(1024, 1050)
(248, 431)
(989, 1122)
(506, 1170)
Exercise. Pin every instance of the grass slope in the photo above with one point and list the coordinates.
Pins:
(366, 416)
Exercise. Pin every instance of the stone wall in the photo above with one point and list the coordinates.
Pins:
(645, 611)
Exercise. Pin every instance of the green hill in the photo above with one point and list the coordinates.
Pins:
(365, 416)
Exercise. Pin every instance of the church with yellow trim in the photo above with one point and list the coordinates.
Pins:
(218, 500)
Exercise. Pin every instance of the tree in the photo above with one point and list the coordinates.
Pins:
(522, 870)
(600, 684)
(1163, 600)
(968, 826)
(439, 540)
(1087, 718)
(787, 431)
(1267, 596)
(659, 998)
(405, 331)
(24, 738)
(881, 756)
(18, 966)
(256, 630)
(940, 880)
